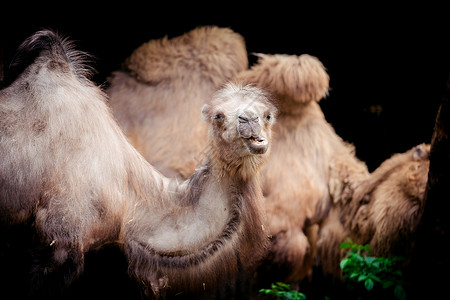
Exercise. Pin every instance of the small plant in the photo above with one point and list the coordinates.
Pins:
(283, 292)
(360, 266)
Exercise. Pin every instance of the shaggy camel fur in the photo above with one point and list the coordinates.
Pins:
(66, 167)
(164, 77)
(384, 210)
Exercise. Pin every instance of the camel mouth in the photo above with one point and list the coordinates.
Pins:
(256, 145)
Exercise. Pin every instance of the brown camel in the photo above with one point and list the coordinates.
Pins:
(163, 85)
(67, 168)
(384, 211)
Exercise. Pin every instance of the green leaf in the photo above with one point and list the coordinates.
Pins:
(399, 292)
(369, 259)
(344, 263)
(367, 249)
(359, 258)
(282, 291)
(387, 284)
(375, 278)
(284, 285)
(344, 245)
(369, 284)
(362, 277)
(264, 291)
(376, 264)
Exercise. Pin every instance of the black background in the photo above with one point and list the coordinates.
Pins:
(388, 65)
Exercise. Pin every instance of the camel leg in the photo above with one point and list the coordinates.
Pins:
(57, 260)
(53, 270)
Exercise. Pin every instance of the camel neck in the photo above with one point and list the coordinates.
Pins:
(239, 238)
(189, 214)
(195, 214)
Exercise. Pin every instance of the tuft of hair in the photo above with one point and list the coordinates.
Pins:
(300, 78)
(57, 46)
(240, 89)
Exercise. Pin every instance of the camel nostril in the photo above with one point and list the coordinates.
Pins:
(249, 129)
(248, 115)
(249, 124)
(243, 119)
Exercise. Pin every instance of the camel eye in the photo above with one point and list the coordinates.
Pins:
(219, 117)
(268, 117)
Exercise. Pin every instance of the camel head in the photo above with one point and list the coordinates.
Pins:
(393, 199)
(240, 120)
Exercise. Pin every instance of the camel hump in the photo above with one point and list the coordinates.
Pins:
(210, 50)
(47, 47)
(301, 78)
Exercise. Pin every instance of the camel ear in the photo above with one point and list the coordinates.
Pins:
(206, 112)
(421, 152)
(302, 78)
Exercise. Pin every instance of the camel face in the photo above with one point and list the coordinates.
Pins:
(241, 120)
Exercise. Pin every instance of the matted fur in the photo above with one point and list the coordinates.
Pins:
(166, 76)
(66, 166)
(295, 79)
(384, 210)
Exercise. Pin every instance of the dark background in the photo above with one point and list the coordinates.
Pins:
(388, 65)
(388, 70)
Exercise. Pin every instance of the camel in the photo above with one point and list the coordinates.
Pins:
(171, 76)
(67, 169)
(384, 211)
